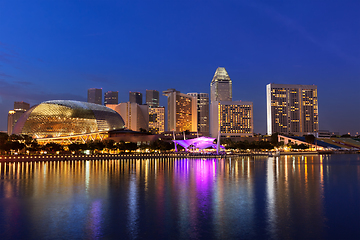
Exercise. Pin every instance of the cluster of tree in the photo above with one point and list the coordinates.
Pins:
(310, 138)
(158, 145)
(120, 146)
(17, 143)
(24, 143)
(242, 145)
(257, 145)
(301, 146)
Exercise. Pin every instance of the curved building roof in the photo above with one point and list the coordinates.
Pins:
(58, 118)
(200, 143)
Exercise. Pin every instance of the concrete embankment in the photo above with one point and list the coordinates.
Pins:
(61, 157)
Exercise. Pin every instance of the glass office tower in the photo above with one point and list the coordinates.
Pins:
(221, 86)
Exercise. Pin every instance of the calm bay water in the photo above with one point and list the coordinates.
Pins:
(290, 197)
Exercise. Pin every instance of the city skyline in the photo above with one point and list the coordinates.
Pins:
(130, 47)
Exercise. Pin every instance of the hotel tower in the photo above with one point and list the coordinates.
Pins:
(233, 119)
(292, 109)
(182, 111)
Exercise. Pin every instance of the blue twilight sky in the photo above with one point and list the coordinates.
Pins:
(59, 49)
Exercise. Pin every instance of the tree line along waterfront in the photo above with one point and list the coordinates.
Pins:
(26, 145)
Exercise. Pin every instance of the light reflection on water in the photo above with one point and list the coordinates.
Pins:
(288, 197)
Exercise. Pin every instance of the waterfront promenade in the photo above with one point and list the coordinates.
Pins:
(65, 157)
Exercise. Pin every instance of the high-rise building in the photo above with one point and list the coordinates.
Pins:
(111, 97)
(231, 119)
(221, 86)
(182, 111)
(21, 106)
(152, 98)
(135, 97)
(136, 116)
(202, 112)
(156, 119)
(14, 115)
(292, 109)
(95, 95)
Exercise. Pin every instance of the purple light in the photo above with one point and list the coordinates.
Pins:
(197, 143)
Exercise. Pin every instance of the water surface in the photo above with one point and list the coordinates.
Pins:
(288, 197)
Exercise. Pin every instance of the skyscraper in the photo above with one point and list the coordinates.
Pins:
(111, 97)
(156, 119)
(156, 113)
(135, 97)
(95, 95)
(221, 86)
(202, 112)
(231, 119)
(14, 115)
(152, 98)
(182, 111)
(136, 116)
(21, 106)
(292, 109)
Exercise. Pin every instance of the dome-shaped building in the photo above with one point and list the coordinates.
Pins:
(64, 118)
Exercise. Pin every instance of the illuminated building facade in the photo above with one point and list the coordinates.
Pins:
(94, 96)
(156, 113)
(65, 118)
(232, 118)
(136, 116)
(135, 97)
(292, 109)
(111, 97)
(202, 112)
(14, 115)
(156, 119)
(152, 98)
(182, 111)
(221, 86)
